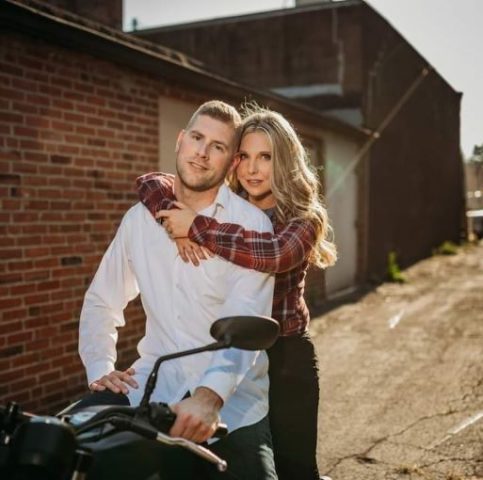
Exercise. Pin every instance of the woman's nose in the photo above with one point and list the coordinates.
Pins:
(252, 166)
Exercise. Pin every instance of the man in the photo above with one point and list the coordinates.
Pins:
(182, 301)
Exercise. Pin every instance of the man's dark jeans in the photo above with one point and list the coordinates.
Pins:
(248, 452)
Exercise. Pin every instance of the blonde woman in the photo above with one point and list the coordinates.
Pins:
(273, 174)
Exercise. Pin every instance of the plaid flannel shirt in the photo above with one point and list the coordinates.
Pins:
(284, 252)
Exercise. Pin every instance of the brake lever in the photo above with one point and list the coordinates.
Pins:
(162, 418)
(147, 431)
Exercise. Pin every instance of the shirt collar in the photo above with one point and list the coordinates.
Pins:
(222, 200)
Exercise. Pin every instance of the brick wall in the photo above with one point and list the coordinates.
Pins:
(74, 134)
(108, 12)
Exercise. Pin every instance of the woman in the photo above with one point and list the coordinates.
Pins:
(273, 174)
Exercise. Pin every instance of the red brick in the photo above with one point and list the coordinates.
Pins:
(24, 168)
(28, 144)
(37, 345)
(36, 252)
(10, 326)
(22, 289)
(51, 136)
(63, 126)
(36, 299)
(10, 303)
(22, 265)
(52, 353)
(19, 337)
(38, 99)
(68, 149)
(13, 314)
(27, 85)
(12, 94)
(88, 109)
(63, 104)
(61, 82)
(30, 240)
(46, 262)
(11, 69)
(47, 332)
(37, 121)
(8, 253)
(36, 275)
(79, 97)
(7, 242)
(52, 285)
(35, 228)
(12, 204)
(9, 376)
(36, 157)
(51, 376)
(25, 107)
(30, 63)
(26, 132)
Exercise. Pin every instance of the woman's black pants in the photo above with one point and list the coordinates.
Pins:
(294, 399)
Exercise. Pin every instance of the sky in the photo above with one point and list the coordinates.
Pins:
(448, 33)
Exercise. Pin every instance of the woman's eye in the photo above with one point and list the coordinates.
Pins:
(266, 156)
(242, 156)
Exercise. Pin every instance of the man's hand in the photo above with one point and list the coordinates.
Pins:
(197, 417)
(115, 381)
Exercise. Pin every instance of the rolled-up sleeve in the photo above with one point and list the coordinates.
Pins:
(113, 286)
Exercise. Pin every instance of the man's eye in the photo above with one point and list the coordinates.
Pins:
(219, 148)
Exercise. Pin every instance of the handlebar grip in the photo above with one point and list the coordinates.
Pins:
(163, 418)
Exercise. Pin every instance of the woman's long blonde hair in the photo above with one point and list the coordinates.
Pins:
(295, 185)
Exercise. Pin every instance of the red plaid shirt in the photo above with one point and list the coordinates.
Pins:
(284, 252)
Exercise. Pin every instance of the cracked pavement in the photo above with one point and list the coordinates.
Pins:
(401, 376)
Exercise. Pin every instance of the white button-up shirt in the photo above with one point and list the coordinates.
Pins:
(181, 301)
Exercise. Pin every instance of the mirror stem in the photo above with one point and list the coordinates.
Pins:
(153, 376)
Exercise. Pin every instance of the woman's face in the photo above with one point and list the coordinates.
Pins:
(254, 172)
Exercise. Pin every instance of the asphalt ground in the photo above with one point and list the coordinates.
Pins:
(401, 376)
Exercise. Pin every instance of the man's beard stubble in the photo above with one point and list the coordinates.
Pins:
(200, 184)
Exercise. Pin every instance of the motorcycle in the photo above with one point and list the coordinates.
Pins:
(72, 444)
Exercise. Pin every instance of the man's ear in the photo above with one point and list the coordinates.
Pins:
(178, 140)
(234, 163)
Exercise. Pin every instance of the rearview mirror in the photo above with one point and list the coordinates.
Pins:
(246, 332)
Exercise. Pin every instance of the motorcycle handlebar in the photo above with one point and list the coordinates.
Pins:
(159, 415)
(121, 418)
(147, 431)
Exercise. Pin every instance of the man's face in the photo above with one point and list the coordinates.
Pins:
(205, 153)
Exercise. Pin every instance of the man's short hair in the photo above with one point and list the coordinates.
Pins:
(220, 111)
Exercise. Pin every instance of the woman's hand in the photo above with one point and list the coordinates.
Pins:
(191, 252)
(177, 222)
